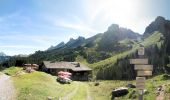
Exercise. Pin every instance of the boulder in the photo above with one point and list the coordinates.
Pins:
(121, 91)
(96, 84)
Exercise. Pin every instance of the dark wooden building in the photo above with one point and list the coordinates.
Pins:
(79, 71)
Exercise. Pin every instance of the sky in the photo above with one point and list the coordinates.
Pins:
(27, 26)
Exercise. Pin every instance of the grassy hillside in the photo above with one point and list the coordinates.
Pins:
(153, 39)
(39, 86)
(102, 92)
(108, 66)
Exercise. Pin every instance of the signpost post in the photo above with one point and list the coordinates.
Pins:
(142, 70)
(140, 82)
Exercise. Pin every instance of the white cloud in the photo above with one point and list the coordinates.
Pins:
(126, 13)
(76, 26)
(98, 15)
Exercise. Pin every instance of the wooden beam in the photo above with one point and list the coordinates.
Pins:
(138, 61)
(144, 67)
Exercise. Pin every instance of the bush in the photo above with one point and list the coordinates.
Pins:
(165, 77)
(132, 94)
(167, 90)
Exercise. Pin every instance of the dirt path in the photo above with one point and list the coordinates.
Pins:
(6, 88)
(71, 94)
(161, 94)
(88, 94)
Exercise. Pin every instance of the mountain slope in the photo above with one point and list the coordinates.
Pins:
(156, 49)
(60, 45)
(108, 39)
(162, 25)
(114, 34)
(118, 65)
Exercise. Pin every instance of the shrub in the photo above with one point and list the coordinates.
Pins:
(165, 77)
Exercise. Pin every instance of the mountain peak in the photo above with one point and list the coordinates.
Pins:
(113, 27)
(71, 39)
(77, 41)
(61, 44)
(157, 25)
(159, 19)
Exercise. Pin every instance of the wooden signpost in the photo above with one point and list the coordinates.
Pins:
(144, 73)
(142, 70)
(140, 82)
(139, 61)
(144, 67)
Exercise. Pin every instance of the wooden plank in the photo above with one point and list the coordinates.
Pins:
(140, 78)
(141, 51)
(140, 82)
(138, 61)
(144, 73)
(140, 86)
(144, 67)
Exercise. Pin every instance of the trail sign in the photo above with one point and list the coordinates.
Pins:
(142, 70)
(141, 51)
(140, 82)
(144, 73)
(144, 67)
(138, 61)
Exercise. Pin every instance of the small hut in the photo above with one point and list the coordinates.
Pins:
(79, 71)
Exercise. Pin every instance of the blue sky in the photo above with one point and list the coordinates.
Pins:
(30, 25)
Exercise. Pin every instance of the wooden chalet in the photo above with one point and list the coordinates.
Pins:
(79, 71)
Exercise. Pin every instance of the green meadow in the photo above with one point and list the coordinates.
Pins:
(40, 86)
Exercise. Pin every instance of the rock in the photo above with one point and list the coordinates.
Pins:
(131, 86)
(121, 91)
(96, 84)
(49, 98)
(159, 88)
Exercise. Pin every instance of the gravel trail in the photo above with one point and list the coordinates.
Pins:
(6, 88)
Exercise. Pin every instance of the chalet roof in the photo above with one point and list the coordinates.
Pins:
(75, 66)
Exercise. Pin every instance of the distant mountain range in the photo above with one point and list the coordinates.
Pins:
(71, 43)
(2, 54)
(112, 35)
(3, 57)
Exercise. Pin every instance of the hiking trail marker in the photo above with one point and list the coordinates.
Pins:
(142, 70)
